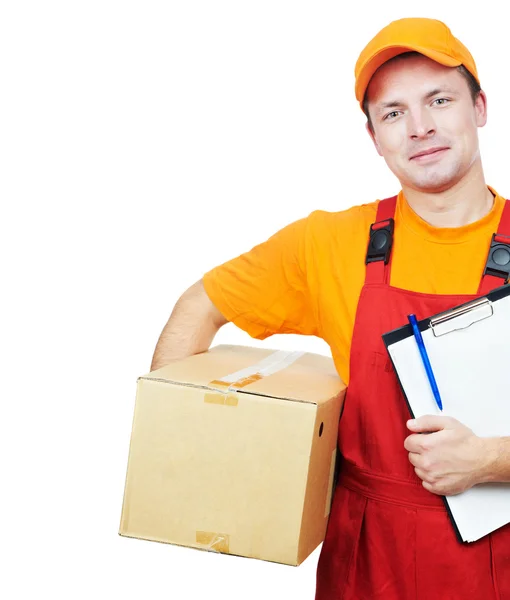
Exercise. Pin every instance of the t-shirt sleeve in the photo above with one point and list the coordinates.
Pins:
(265, 291)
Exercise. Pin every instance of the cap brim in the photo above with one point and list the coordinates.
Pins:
(389, 52)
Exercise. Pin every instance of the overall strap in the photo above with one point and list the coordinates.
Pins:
(378, 258)
(497, 267)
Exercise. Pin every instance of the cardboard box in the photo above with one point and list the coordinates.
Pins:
(233, 450)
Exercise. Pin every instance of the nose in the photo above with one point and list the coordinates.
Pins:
(421, 124)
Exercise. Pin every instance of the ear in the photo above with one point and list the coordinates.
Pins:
(481, 109)
(373, 138)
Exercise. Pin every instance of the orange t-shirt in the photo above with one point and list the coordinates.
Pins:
(307, 278)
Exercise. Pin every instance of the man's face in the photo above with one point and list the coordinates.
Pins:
(425, 123)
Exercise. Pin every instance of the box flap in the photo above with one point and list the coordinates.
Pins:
(298, 376)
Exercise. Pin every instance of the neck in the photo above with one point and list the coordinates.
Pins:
(467, 201)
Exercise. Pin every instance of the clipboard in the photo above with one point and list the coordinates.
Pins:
(469, 350)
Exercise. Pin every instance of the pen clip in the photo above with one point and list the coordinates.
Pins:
(466, 315)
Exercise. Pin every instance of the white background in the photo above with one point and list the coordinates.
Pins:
(142, 143)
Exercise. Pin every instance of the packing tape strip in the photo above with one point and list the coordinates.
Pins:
(216, 542)
(228, 399)
(276, 361)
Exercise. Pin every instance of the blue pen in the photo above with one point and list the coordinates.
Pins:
(425, 359)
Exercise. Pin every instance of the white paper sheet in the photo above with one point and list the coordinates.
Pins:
(472, 371)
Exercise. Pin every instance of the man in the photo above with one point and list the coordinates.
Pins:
(388, 536)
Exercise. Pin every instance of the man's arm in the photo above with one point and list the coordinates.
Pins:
(190, 329)
(498, 467)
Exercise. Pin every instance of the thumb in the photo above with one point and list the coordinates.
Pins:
(427, 423)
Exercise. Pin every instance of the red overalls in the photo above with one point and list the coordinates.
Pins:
(387, 537)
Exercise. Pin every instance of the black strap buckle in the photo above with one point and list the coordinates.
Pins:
(381, 241)
(498, 261)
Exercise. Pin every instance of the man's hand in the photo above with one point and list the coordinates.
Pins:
(451, 459)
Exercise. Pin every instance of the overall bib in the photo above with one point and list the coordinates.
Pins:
(387, 537)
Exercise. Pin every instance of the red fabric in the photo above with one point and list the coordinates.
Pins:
(380, 225)
(388, 538)
(386, 209)
(489, 282)
(502, 239)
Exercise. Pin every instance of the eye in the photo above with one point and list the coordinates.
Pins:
(440, 101)
(391, 115)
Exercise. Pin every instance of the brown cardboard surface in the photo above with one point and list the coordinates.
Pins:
(247, 474)
(292, 382)
(320, 478)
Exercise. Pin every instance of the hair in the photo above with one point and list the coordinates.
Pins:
(474, 86)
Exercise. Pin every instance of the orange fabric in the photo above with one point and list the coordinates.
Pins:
(307, 278)
(429, 37)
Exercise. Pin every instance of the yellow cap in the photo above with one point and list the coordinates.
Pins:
(429, 37)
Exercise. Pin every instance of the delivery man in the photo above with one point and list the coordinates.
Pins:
(389, 536)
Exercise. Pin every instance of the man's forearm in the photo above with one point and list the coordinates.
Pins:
(190, 329)
(497, 468)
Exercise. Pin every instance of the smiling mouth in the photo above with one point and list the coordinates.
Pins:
(428, 154)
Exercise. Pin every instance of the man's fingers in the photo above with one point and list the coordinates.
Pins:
(417, 443)
(431, 488)
(415, 459)
(429, 423)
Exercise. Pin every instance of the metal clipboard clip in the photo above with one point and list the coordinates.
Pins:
(461, 317)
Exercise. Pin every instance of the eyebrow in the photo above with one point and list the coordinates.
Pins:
(396, 103)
